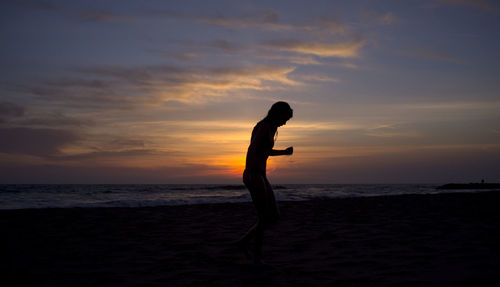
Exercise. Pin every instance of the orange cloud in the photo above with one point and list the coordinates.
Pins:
(341, 50)
(294, 59)
(219, 82)
(120, 87)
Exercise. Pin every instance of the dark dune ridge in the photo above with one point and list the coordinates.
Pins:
(410, 240)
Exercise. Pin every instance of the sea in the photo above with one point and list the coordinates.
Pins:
(26, 196)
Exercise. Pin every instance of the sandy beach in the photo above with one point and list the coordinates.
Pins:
(411, 240)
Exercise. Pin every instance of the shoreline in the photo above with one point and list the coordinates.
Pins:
(448, 239)
(248, 200)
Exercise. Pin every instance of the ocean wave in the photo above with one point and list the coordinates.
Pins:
(67, 196)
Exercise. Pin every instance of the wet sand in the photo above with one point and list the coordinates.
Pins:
(412, 240)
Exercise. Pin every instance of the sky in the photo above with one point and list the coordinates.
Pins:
(169, 91)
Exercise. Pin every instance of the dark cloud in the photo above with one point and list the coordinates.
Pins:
(176, 83)
(16, 116)
(267, 19)
(78, 82)
(136, 75)
(10, 110)
(61, 174)
(264, 19)
(270, 20)
(126, 142)
(225, 45)
(117, 87)
(40, 142)
(86, 98)
(82, 92)
(104, 155)
(92, 88)
(57, 119)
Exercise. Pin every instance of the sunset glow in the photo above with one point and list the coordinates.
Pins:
(168, 92)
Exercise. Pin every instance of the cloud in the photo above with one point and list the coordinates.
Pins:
(294, 59)
(379, 18)
(127, 143)
(256, 51)
(332, 25)
(104, 156)
(114, 88)
(10, 110)
(180, 56)
(258, 73)
(225, 45)
(83, 97)
(349, 65)
(348, 49)
(164, 83)
(73, 91)
(92, 174)
(228, 47)
(267, 20)
(388, 133)
(324, 126)
(56, 119)
(32, 141)
(317, 78)
(263, 19)
(430, 165)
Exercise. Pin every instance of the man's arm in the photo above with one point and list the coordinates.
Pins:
(287, 151)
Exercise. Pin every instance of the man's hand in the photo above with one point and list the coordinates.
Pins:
(289, 150)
